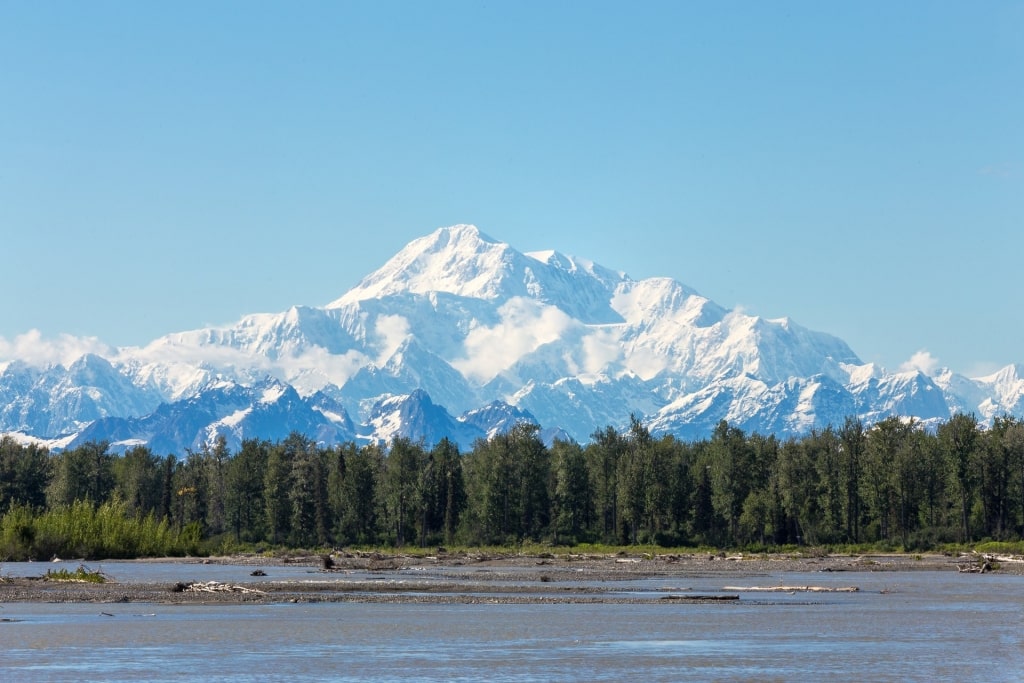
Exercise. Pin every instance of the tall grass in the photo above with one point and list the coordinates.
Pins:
(83, 530)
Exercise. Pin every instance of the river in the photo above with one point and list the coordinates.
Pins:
(904, 626)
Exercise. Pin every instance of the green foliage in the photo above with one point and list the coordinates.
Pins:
(508, 486)
(83, 530)
(82, 473)
(403, 489)
(892, 485)
(359, 472)
(573, 503)
(1001, 547)
(25, 472)
(80, 575)
(443, 492)
(245, 510)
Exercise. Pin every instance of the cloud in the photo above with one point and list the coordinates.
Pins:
(65, 349)
(922, 361)
(392, 331)
(525, 326)
(189, 351)
(316, 367)
(645, 362)
(600, 350)
(309, 370)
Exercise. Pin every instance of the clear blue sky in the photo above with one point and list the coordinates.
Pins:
(858, 167)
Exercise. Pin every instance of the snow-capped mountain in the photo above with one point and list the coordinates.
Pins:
(460, 324)
(55, 399)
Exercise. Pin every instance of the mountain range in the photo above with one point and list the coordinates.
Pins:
(461, 336)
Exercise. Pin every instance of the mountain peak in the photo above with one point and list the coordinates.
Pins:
(463, 261)
(461, 233)
(458, 260)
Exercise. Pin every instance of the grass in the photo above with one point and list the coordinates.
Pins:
(80, 575)
(1001, 547)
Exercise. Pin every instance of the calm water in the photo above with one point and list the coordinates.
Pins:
(928, 626)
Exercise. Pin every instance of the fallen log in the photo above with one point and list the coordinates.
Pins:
(700, 597)
(794, 589)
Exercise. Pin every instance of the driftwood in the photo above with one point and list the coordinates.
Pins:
(699, 598)
(794, 589)
(976, 563)
(214, 587)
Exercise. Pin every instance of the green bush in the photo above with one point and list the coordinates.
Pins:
(86, 531)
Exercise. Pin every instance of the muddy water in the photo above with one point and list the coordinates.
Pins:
(910, 626)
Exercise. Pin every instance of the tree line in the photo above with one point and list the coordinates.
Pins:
(892, 483)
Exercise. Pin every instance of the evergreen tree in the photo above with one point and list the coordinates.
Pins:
(852, 443)
(532, 465)
(25, 473)
(934, 490)
(191, 492)
(704, 525)
(959, 440)
(603, 453)
(443, 493)
(761, 500)
(308, 496)
(216, 460)
(884, 439)
(403, 499)
(359, 494)
(682, 463)
(509, 486)
(799, 484)
(732, 467)
(277, 492)
(244, 502)
(827, 451)
(167, 493)
(573, 500)
(1001, 459)
(634, 478)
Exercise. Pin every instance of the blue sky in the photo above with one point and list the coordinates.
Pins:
(857, 167)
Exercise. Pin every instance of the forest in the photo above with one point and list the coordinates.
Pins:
(893, 484)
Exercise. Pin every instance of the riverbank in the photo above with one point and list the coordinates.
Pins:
(468, 577)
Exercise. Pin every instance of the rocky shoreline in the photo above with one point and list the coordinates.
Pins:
(457, 578)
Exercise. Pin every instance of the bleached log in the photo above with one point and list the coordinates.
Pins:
(794, 589)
